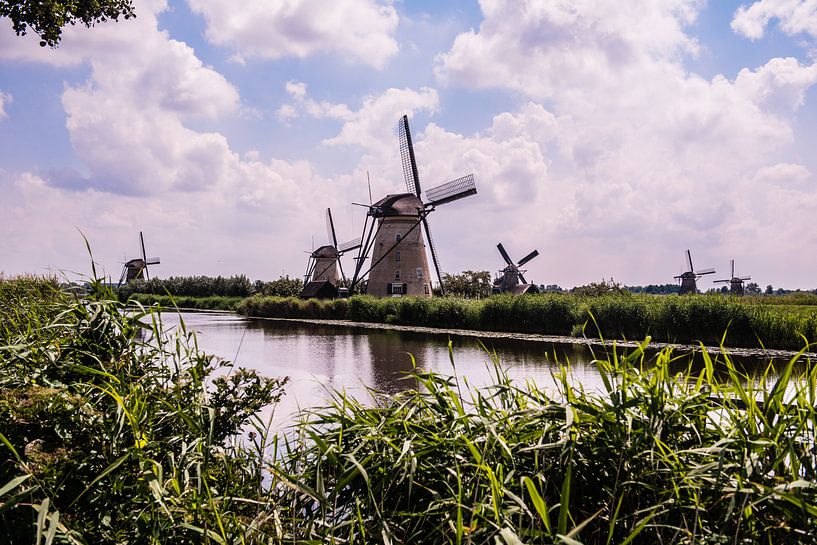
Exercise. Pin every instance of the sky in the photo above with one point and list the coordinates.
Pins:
(609, 135)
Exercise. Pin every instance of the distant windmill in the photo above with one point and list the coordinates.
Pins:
(509, 282)
(735, 282)
(393, 235)
(137, 269)
(324, 270)
(690, 278)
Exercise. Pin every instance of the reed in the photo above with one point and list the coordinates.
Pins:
(113, 431)
(663, 453)
(745, 323)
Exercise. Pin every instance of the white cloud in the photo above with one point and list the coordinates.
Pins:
(372, 127)
(360, 29)
(794, 17)
(5, 100)
(643, 152)
(303, 104)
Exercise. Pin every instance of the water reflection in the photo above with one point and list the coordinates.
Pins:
(320, 359)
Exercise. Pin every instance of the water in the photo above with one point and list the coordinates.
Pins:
(320, 358)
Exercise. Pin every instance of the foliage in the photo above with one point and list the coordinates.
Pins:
(207, 286)
(597, 289)
(187, 302)
(711, 319)
(47, 19)
(655, 289)
(472, 284)
(110, 433)
(663, 454)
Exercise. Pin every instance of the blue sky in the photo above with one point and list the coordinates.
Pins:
(611, 137)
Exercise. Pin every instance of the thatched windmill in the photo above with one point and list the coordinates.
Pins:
(137, 269)
(509, 282)
(735, 282)
(689, 279)
(393, 231)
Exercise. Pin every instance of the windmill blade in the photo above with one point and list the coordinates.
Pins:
(689, 261)
(744, 278)
(733, 268)
(350, 245)
(505, 255)
(452, 191)
(330, 228)
(142, 240)
(522, 278)
(527, 258)
(721, 281)
(152, 261)
(705, 271)
(433, 254)
(410, 173)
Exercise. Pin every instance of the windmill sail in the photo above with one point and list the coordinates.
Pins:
(350, 245)
(410, 173)
(452, 191)
(505, 255)
(528, 258)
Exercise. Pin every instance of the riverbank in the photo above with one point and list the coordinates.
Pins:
(187, 302)
(110, 436)
(712, 320)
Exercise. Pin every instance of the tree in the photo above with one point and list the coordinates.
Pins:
(752, 288)
(475, 284)
(769, 289)
(48, 17)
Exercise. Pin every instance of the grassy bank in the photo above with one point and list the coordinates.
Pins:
(747, 322)
(184, 301)
(109, 435)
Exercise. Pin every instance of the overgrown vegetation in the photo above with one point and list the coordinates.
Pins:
(208, 286)
(110, 436)
(747, 322)
(664, 454)
(186, 302)
(110, 433)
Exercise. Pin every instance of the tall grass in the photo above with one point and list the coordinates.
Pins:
(660, 455)
(111, 432)
(747, 323)
(186, 302)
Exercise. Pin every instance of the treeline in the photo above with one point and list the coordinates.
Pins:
(208, 286)
(747, 323)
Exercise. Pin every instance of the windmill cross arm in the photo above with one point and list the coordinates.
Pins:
(705, 271)
(152, 261)
(744, 278)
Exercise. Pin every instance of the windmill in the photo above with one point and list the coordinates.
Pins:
(137, 269)
(735, 282)
(509, 282)
(690, 278)
(393, 232)
(324, 270)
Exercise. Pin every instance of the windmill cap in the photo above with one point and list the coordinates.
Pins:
(401, 204)
(325, 251)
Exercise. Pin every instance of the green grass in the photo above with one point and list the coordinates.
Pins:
(184, 301)
(663, 454)
(745, 322)
(112, 433)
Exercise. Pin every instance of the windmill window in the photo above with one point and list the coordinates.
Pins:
(397, 238)
(397, 289)
(419, 272)
(397, 275)
(397, 256)
(425, 288)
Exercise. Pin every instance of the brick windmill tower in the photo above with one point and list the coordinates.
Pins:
(394, 227)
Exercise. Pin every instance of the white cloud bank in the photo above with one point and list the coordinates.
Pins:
(643, 154)
(793, 16)
(359, 29)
